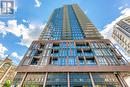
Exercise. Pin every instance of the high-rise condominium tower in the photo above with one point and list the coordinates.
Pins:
(121, 34)
(70, 52)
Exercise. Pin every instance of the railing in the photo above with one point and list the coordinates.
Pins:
(82, 47)
(88, 54)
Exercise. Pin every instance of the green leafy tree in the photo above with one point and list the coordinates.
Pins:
(7, 83)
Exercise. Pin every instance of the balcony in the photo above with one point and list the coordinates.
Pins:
(54, 52)
(91, 62)
(38, 53)
(81, 61)
(88, 54)
(53, 61)
(82, 45)
(79, 54)
(41, 46)
(35, 61)
(56, 45)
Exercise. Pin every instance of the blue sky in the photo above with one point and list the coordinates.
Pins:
(16, 33)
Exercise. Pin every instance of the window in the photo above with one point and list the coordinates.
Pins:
(54, 60)
(63, 45)
(105, 80)
(33, 53)
(98, 52)
(71, 44)
(90, 61)
(28, 53)
(63, 52)
(35, 61)
(55, 52)
(38, 53)
(80, 44)
(72, 61)
(18, 78)
(73, 52)
(102, 45)
(41, 46)
(80, 80)
(55, 44)
(102, 61)
(35, 46)
(36, 79)
(62, 61)
(112, 60)
(88, 52)
(26, 61)
(56, 80)
(109, 51)
(81, 61)
(79, 52)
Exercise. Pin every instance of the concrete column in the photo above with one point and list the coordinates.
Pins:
(93, 84)
(20, 85)
(45, 79)
(121, 80)
(6, 72)
(68, 79)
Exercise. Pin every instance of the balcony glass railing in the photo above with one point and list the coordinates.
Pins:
(88, 54)
(85, 54)
(79, 54)
(82, 47)
(56, 47)
(55, 54)
(91, 64)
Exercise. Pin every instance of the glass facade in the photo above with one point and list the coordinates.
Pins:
(105, 80)
(69, 53)
(80, 80)
(56, 80)
(74, 25)
(73, 79)
(34, 79)
(77, 53)
(64, 24)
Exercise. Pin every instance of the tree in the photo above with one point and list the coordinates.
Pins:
(7, 83)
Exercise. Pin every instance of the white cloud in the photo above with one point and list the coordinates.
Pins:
(85, 11)
(108, 29)
(107, 32)
(25, 21)
(37, 3)
(12, 27)
(122, 7)
(15, 55)
(27, 34)
(2, 27)
(31, 34)
(3, 49)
